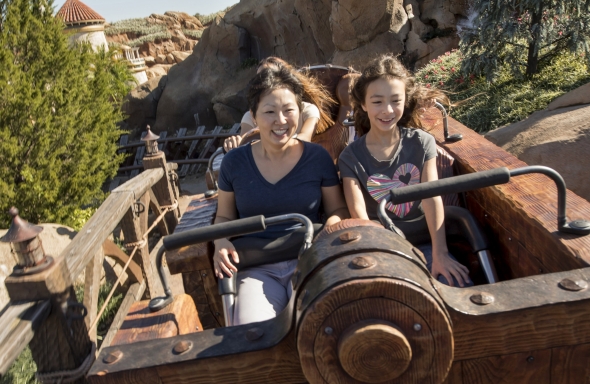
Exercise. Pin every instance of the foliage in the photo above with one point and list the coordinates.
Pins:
(248, 63)
(150, 38)
(208, 19)
(195, 34)
(59, 109)
(138, 26)
(483, 105)
(523, 36)
(22, 371)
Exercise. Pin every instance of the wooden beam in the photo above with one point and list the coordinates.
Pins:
(91, 287)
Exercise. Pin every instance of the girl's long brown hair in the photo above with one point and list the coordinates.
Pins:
(417, 95)
(313, 92)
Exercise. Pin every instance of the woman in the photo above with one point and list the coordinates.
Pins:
(277, 175)
(315, 112)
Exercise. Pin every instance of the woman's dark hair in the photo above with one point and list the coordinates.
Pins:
(313, 92)
(270, 79)
(417, 95)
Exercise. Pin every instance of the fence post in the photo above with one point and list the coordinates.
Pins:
(165, 190)
(61, 344)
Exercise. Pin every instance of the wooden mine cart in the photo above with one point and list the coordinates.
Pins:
(364, 308)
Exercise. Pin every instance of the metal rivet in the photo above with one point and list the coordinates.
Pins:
(113, 357)
(254, 334)
(349, 236)
(101, 373)
(362, 262)
(182, 346)
(573, 285)
(510, 239)
(482, 298)
(301, 298)
(328, 330)
(530, 359)
(417, 327)
(204, 275)
(485, 215)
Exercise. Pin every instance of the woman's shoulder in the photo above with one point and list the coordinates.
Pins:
(237, 155)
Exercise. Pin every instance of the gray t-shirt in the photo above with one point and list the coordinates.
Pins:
(378, 177)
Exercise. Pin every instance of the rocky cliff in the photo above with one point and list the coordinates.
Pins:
(211, 81)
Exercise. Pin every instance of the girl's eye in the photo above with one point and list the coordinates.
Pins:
(376, 102)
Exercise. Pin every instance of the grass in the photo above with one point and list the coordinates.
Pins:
(483, 106)
(23, 369)
(208, 19)
(149, 38)
(138, 26)
(195, 34)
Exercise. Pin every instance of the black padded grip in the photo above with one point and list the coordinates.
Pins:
(449, 185)
(215, 231)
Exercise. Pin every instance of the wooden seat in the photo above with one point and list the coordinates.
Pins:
(179, 318)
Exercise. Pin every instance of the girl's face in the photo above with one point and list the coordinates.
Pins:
(384, 103)
(277, 116)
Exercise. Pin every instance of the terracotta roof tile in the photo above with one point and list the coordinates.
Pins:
(74, 12)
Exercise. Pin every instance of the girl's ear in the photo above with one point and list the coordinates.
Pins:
(363, 107)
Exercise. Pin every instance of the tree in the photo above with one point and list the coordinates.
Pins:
(524, 34)
(59, 110)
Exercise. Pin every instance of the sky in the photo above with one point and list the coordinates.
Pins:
(115, 10)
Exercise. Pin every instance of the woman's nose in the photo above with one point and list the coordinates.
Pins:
(281, 118)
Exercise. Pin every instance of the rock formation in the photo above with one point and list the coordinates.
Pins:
(211, 80)
(557, 137)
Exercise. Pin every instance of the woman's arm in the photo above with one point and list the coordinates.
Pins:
(442, 263)
(307, 129)
(354, 198)
(334, 204)
(226, 211)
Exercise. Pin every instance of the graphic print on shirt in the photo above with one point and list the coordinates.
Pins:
(379, 186)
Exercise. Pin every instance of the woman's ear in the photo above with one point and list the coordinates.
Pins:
(253, 117)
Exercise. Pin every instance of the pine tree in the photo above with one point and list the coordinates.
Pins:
(524, 34)
(59, 109)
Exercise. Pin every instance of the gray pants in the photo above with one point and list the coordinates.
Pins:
(263, 291)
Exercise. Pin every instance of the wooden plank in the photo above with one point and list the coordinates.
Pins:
(179, 134)
(571, 365)
(89, 240)
(138, 156)
(208, 145)
(91, 287)
(527, 367)
(194, 286)
(527, 314)
(156, 210)
(212, 291)
(185, 167)
(112, 250)
(528, 203)
(146, 376)
(162, 135)
(17, 328)
(134, 226)
(455, 375)
(134, 293)
(217, 162)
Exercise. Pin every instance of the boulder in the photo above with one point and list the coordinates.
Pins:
(188, 21)
(170, 59)
(558, 138)
(149, 61)
(226, 115)
(157, 71)
(160, 59)
(180, 56)
(141, 103)
(580, 95)
(357, 58)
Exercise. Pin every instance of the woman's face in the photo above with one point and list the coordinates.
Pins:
(384, 103)
(277, 116)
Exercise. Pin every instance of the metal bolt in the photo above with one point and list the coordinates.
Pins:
(510, 239)
(417, 327)
(485, 215)
(482, 298)
(573, 285)
(362, 262)
(253, 334)
(328, 330)
(530, 359)
(349, 236)
(113, 357)
(182, 346)
(204, 274)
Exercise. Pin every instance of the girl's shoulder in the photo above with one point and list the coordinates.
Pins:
(417, 134)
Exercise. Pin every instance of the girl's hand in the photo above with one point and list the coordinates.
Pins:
(221, 262)
(443, 264)
(232, 142)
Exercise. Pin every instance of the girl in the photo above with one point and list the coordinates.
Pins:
(390, 154)
(315, 114)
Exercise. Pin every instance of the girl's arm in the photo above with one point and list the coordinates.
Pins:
(334, 204)
(354, 198)
(308, 129)
(226, 211)
(442, 263)
(234, 141)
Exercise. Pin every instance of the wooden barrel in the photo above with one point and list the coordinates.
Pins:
(368, 313)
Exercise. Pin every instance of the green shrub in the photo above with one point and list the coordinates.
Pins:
(483, 106)
(208, 19)
(139, 26)
(149, 38)
(196, 34)
(248, 63)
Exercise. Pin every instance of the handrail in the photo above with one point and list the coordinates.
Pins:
(182, 138)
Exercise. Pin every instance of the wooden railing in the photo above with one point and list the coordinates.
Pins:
(43, 311)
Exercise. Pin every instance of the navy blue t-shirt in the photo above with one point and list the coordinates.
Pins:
(298, 192)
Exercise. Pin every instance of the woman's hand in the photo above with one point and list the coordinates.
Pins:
(232, 142)
(221, 262)
(443, 264)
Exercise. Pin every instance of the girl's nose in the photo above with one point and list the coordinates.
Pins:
(389, 108)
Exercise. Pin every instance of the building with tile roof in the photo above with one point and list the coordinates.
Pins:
(83, 23)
